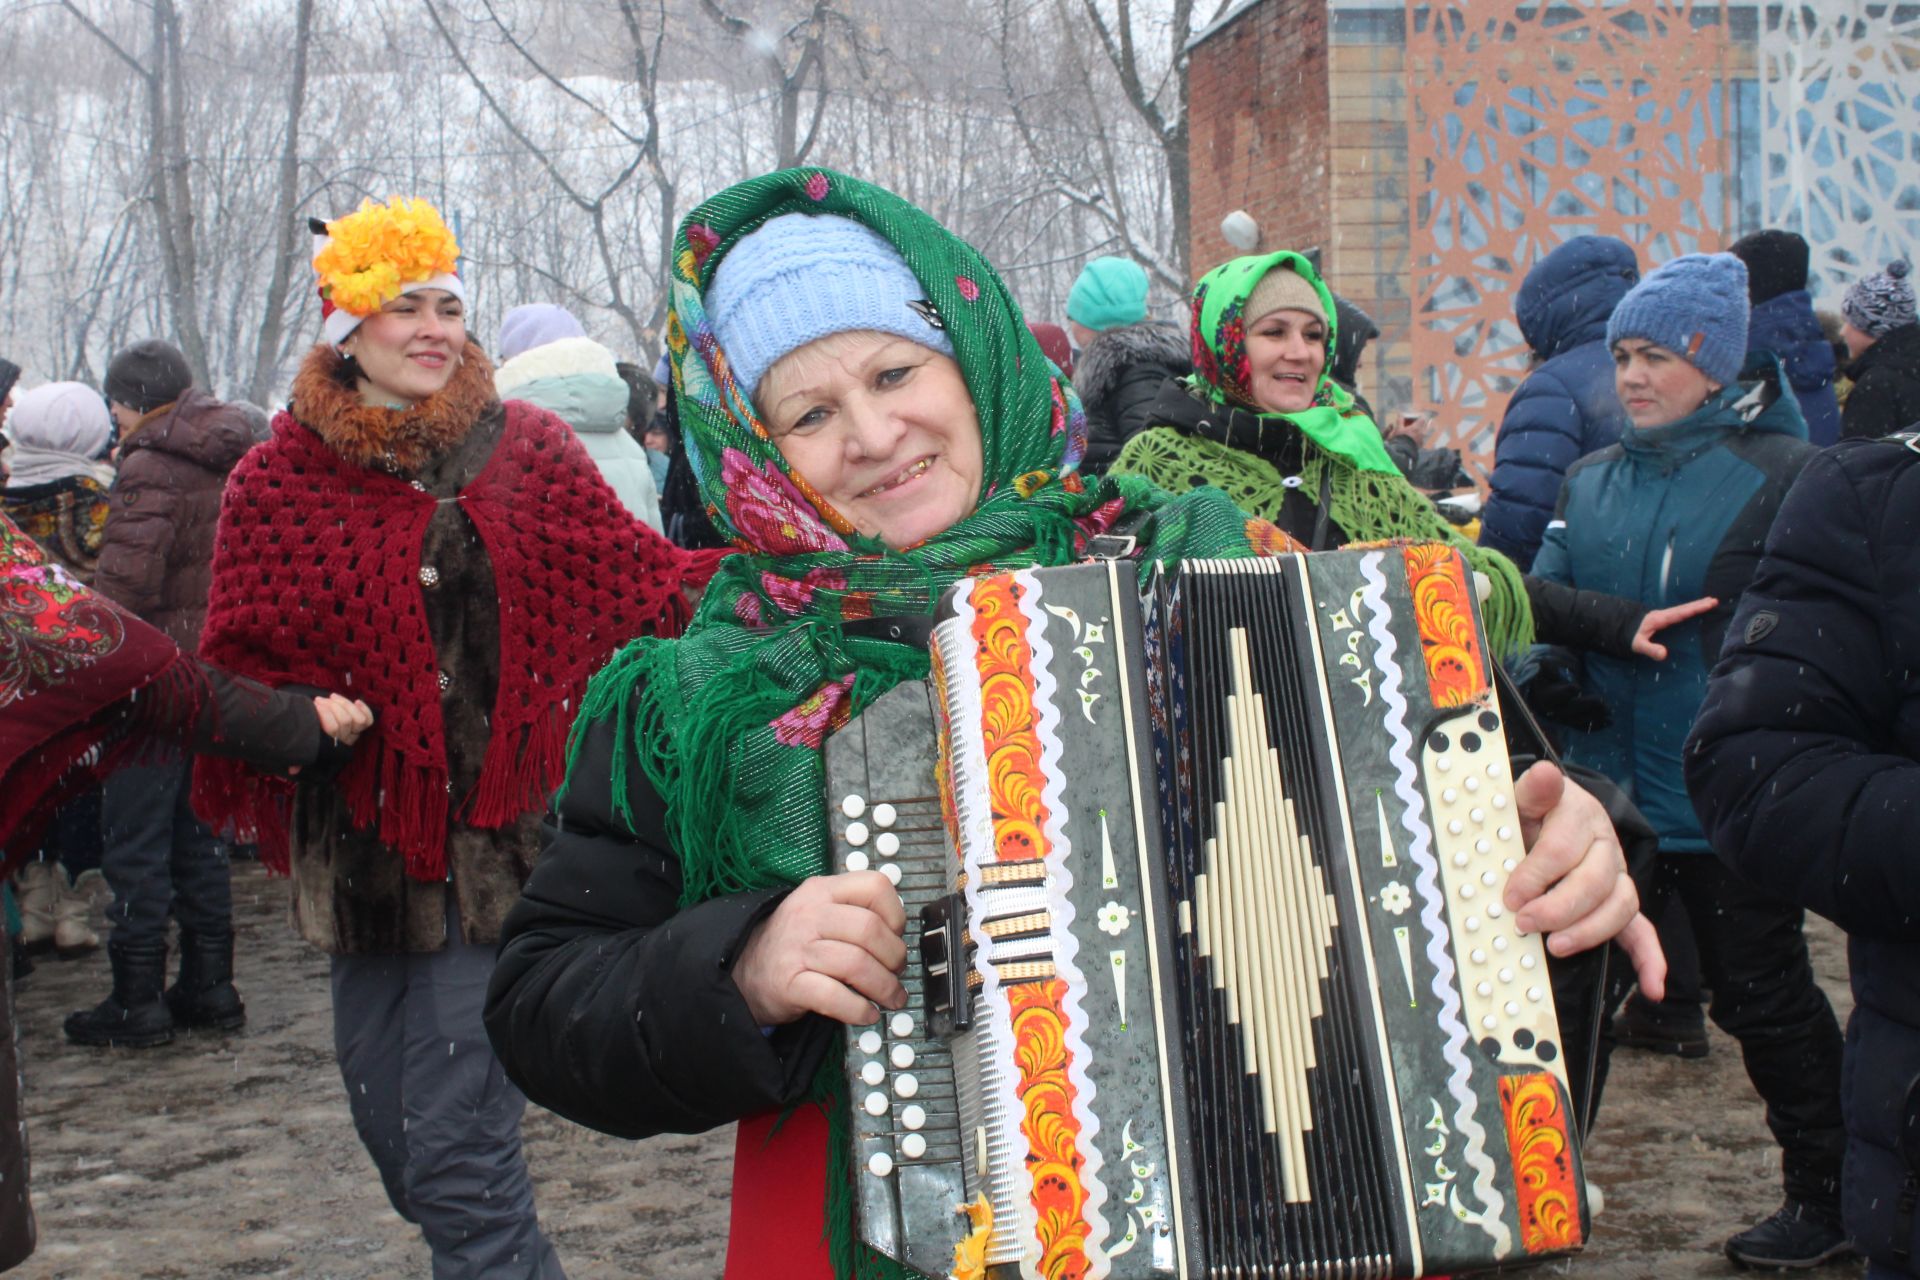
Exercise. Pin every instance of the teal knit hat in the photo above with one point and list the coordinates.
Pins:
(1110, 292)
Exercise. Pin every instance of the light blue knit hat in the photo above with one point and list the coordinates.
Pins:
(1108, 293)
(1696, 307)
(803, 276)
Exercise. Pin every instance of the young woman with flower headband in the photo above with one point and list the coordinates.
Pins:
(870, 422)
(461, 565)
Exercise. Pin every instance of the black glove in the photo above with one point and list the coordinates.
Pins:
(1554, 695)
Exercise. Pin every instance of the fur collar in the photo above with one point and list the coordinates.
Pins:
(1104, 360)
(326, 399)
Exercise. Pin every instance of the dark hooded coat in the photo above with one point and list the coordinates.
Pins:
(1566, 408)
(1118, 375)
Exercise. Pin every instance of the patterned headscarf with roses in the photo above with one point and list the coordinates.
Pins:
(729, 720)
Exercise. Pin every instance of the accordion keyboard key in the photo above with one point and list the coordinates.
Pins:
(1506, 1003)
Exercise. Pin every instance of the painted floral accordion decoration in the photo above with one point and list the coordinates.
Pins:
(1214, 976)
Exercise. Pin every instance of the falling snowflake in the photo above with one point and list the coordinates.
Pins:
(1114, 919)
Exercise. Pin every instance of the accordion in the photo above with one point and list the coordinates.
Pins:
(1214, 978)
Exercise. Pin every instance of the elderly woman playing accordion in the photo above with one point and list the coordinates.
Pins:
(872, 423)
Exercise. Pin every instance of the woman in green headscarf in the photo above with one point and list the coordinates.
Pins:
(870, 421)
(1263, 419)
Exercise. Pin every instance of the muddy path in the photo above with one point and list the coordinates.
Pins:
(231, 1156)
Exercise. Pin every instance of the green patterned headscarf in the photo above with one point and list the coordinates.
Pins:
(1367, 496)
(728, 721)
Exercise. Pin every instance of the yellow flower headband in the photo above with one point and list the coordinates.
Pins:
(378, 252)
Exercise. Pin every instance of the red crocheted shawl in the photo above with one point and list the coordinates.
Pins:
(316, 582)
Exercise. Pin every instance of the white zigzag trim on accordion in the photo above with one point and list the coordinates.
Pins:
(1406, 786)
(1066, 955)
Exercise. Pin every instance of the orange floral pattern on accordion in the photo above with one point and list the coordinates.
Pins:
(1052, 1131)
(1542, 1152)
(1443, 609)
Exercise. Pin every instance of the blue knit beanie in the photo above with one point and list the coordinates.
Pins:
(535, 324)
(1108, 293)
(1696, 307)
(801, 277)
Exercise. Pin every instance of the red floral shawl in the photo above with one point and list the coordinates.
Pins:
(69, 661)
(316, 582)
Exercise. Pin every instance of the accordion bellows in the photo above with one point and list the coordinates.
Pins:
(1214, 975)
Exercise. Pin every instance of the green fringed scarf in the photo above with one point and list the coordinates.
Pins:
(728, 721)
(1367, 497)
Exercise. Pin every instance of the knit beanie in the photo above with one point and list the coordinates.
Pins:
(1878, 304)
(1108, 293)
(535, 324)
(801, 277)
(1283, 289)
(1776, 263)
(377, 253)
(1696, 307)
(147, 375)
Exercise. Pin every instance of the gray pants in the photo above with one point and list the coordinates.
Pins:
(435, 1110)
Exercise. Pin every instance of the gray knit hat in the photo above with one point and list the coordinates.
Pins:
(1878, 304)
(1696, 307)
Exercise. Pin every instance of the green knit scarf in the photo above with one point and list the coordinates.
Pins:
(1367, 496)
(728, 722)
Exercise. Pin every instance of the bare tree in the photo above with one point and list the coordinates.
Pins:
(266, 355)
(169, 172)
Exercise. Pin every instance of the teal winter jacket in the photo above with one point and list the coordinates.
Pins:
(1667, 515)
(576, 379)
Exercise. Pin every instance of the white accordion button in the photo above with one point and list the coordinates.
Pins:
(1513, 1010)
(1489, 1022)
(1484, 990)
(1505, 833)
(913, 1146)
(876, 1104)
(856, 833)
(1443, 764)
(1493, 911)
(1483, 845)
(1500, 943)
(1471, 784)
(1449, 796)
(1455, 827)
(858, 861)
(901, 1056)
(1488, 879)
(1466, 892)
(1526, 962)
(873, 1073)
(1499, 801)
(902, 1024)
(887, 845)
(880, 1164)
(1478, 815)
(914, 1116)
(1478, 956)
(884, 815)
(1505, 975)
(869, 1042)
(1473, 924)
(906, 1086)
(1535, 994)
(891, 870)
(1508, 864)
(853, 806)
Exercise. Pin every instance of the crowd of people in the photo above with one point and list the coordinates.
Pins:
(521, 672)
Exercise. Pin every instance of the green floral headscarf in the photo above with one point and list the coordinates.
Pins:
(1366, 495)
(728, 721)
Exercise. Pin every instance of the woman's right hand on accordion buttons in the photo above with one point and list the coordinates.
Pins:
(834, 946)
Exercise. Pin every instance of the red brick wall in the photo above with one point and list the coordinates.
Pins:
(1259, 130)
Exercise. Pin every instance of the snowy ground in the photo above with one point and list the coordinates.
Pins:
(233, 1156)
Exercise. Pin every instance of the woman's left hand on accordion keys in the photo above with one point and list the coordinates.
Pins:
(1573, 884)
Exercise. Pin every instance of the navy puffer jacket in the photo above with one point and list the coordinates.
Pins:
(1805, 768)
(1566, 408)
(1785, 325)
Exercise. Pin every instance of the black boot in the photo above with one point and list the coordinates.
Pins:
(204, 996)
(134, 1016)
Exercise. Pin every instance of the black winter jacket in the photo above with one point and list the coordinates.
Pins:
(612, 1005)
(1804, 766)
(1118, 375)
(1886, 387)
